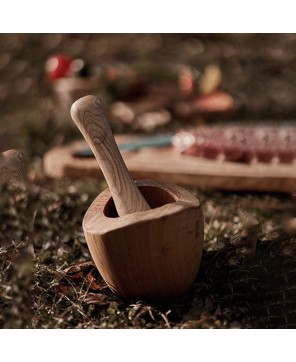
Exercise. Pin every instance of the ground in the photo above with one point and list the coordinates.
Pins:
(46, 273)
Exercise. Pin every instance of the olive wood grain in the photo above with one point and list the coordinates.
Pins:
(88, 114)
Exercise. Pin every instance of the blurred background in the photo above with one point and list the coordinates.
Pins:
(256, 70)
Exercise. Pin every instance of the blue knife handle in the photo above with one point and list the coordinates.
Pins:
(150, 141)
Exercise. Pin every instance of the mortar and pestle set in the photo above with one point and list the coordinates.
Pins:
(145, 237)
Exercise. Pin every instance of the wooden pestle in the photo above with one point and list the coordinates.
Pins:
(88, 114)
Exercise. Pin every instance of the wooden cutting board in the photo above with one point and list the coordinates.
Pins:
(167, 165)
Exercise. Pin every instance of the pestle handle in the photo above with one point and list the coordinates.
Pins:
(88, 114)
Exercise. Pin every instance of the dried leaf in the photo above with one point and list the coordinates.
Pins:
(64, 289)
(95, 283)
(82, 274)
(75, 270)
(192, 324)
(94, 298)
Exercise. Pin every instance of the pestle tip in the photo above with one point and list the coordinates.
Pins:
(84, 103)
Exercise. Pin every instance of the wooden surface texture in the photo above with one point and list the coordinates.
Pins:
(167, 165)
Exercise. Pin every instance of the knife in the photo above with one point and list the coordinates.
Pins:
(162, 140)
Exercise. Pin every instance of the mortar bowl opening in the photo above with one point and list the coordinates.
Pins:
(155, 197)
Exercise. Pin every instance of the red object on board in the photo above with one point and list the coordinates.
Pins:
(58, 66)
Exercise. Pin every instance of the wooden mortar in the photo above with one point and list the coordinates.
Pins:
(145, 237)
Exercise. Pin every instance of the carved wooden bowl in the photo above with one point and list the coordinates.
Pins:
(154, 253)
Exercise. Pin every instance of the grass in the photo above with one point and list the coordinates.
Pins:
(49, 281)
